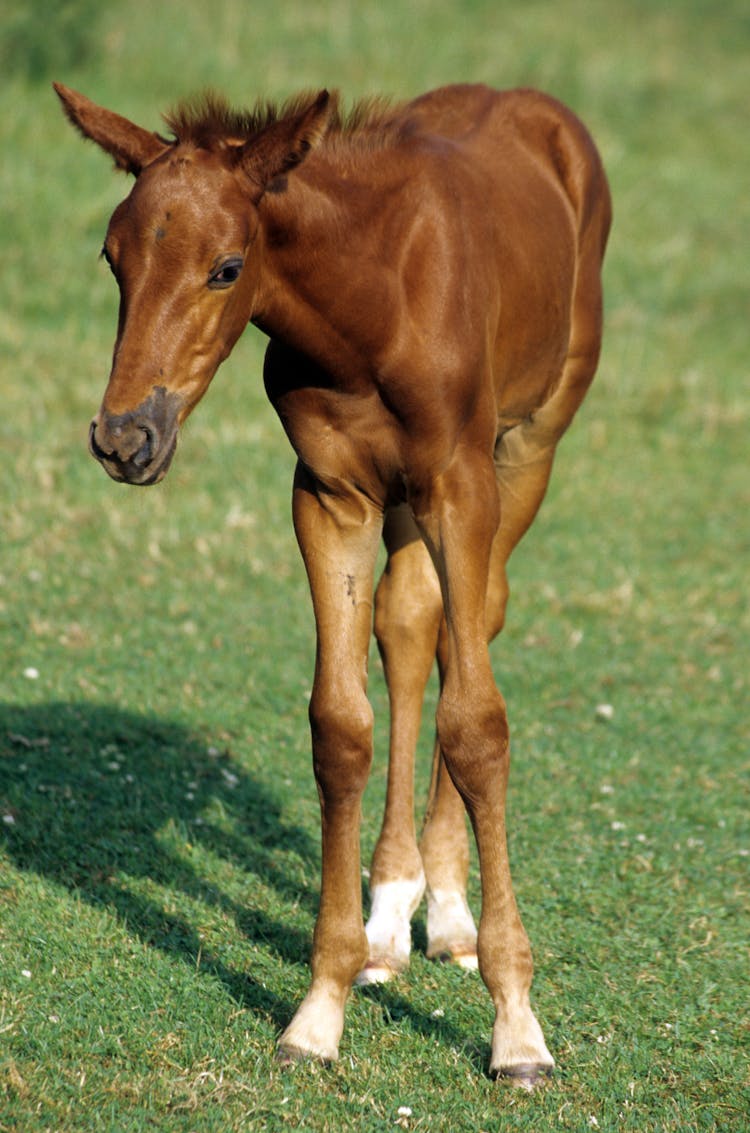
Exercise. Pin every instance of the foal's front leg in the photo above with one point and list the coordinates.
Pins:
(459, 516)
(338, 536)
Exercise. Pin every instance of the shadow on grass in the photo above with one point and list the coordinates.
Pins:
(92, 792)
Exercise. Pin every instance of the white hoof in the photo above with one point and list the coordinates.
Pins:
(469, 961)
(375, 972)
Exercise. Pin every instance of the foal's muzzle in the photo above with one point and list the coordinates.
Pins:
(136, 447)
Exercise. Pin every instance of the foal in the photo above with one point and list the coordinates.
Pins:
(429, 277)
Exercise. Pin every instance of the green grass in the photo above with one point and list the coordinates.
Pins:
(159, 851)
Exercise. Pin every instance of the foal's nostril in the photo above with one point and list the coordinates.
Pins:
(95, 448)
(145, 453)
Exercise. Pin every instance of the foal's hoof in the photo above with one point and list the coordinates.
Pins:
(463, 958)
(287, 1056)
(527, 1076)
(376, 972)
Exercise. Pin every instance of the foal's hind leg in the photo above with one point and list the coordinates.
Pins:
(444, 846)
(408, 623)
(410, 629)
(408, 610)
(451, 931)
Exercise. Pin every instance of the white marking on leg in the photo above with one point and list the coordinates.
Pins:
(451, 931)
(389, 928)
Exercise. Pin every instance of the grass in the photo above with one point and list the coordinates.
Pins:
(159, 850)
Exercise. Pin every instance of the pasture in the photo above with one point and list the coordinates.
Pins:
(159, 833)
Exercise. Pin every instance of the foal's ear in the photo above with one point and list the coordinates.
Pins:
(283, 144)
(129, 145)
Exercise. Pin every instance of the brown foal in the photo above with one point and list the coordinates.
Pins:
(429, 277)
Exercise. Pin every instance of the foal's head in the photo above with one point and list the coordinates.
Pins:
(181, 247)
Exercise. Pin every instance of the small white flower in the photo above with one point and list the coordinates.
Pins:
(31, 673)
(438, 1013)
(404, 1111)
(593, 1122)
(26, 974)
(9, 820)
(618, 825)
(229, 777)
(604, 712)
(606, 789)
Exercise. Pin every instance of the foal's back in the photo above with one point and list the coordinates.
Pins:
(524, 175)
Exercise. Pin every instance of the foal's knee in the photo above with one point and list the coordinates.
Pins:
(341, 726)
(473, 735)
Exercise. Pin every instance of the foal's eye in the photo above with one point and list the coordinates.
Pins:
(225, 274)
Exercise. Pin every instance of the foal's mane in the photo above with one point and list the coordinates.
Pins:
(209, 122)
